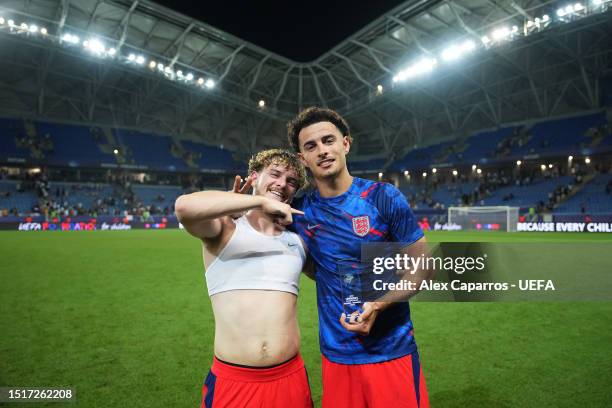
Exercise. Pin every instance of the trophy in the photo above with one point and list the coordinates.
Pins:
(352, 292)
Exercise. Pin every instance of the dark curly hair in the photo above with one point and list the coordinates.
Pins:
(310, 116)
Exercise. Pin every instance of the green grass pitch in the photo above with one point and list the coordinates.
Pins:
(124, 318)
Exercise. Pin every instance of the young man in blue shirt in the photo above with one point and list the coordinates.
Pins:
(369, 359)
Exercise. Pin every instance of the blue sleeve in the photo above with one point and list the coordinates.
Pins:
(394, 208)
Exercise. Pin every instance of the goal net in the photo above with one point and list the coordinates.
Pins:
(499, 218)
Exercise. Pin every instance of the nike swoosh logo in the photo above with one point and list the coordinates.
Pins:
(312, 226)
(292, 245)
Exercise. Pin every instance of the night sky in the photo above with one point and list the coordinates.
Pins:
(299, 30)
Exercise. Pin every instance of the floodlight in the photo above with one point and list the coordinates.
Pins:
(189, 76)
(200, 81)
(261, 103)
(530, 23)
(131, 57)
(380, 175)
(455, 172)
(570, 157)
(468, 45)
(160, 66)
(179, 73)
(543, 167)
(578, 7)
(485, 40)
(515, 29)
(560, 12)
(96, 46)
(73, 39)
(473, 167)
(152, 64)
(424, 174)
(112, 51)
(518, 162)
(451, 53)
(569, 9)
(587, 160)
(43, 31)
(545, 18)
(478, 171)
(116, 151)
(33, 28)
(406, 172)
(434, 170)
(24, 26)
(209, 83)
(140, 59)
(1, 20)
(379, 89)
(11, 23)
(500, 33)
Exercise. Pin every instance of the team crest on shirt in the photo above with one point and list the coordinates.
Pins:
(361, 225)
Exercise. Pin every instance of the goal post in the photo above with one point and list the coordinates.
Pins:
(492, 218)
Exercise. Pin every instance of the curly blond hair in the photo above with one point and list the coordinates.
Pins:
(281, 157)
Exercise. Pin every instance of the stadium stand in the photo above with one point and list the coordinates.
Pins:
(149, 150)
(526, 195)
(213, 158)
(14, 199)
(11, 131)
(569, 134)
(73, 146)
(594, 197)
(560, 136)
(160, 196)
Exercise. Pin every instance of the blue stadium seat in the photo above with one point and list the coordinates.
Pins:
(592, 195)
(527, 195)
(10, 129)
(214, 158)
(23, 201)
(562, 135)
(150, 150)
(150, 195)
(72, 146)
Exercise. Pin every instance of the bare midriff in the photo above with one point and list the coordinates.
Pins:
(256, 328)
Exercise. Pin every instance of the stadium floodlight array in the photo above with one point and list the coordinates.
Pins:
(96, 46)
(485, 218)
(503, 34)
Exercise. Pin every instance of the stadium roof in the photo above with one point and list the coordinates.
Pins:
(552, 71)
(309, 28)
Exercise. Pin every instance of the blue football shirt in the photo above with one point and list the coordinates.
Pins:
(334, 230)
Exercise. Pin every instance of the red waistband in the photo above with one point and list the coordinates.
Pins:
(247, 374)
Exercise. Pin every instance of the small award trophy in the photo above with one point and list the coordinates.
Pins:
(350, 273)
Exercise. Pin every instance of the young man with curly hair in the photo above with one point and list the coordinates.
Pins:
(253, 266)
(370, 358)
